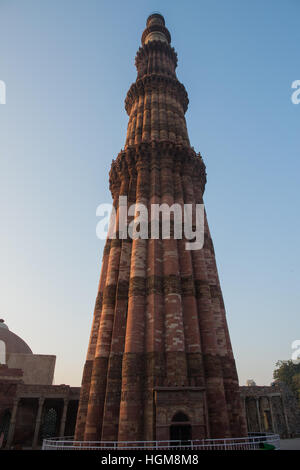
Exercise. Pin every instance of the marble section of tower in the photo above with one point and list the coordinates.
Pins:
(159, 351)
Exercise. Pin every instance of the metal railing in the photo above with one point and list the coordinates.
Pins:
(252, 442)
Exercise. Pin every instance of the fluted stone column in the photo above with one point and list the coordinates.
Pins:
(131, 404)
(176, 366)
(154, 321)
(94, 417)
(114, 374)
(87, 372)
(159, 332)
(185, 195)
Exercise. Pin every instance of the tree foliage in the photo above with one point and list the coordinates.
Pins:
(289, 373)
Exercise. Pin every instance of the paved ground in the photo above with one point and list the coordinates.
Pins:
(290, 444)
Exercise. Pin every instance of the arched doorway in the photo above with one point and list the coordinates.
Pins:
(181, 429)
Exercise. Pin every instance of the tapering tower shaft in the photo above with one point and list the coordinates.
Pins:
(159, 361)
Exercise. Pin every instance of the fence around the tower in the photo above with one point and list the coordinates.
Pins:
(252, 442)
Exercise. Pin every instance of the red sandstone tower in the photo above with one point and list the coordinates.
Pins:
(159, 364)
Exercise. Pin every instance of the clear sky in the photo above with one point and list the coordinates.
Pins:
(67, 65)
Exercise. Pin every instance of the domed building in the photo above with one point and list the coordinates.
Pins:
(16, 354)
(31, 407)
(13, 343)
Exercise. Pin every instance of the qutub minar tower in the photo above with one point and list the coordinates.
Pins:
(159, 364)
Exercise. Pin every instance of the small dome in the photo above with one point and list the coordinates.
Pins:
(13, 343)
(2, 324)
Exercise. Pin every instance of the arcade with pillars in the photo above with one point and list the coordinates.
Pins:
(33, 417)
(269, 409)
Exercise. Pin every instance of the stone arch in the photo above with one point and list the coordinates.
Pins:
(180, 416)
(180, 428)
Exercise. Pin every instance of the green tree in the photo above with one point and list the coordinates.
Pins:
(289, 373)
(296, 384)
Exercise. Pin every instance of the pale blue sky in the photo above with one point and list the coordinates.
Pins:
(68, 65)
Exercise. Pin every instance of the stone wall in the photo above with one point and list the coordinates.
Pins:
(37, 368)
(271, 409)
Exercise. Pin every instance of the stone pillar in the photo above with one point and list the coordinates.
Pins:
(216, 400)
(114, 374)
(246, 411)
(176, 365)
(285, 418)
(12, 425)
(154, 321)
(271, 413)
(87, 372)
(133, 368)
(258, 414)
(38, 423)
(63, 418)
(184, 192)
(94, 416)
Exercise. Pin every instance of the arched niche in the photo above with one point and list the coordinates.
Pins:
(181, 429)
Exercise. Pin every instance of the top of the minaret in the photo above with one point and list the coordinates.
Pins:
(155, 18)
(156, 30)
